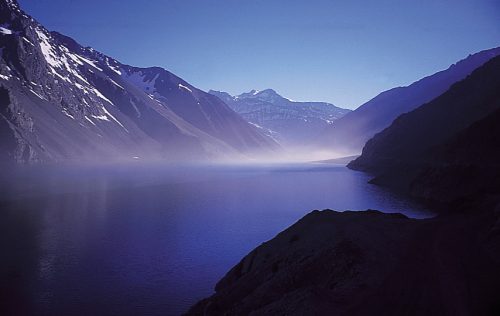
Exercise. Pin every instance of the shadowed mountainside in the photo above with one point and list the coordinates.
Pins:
(350, 133)
(458, 137)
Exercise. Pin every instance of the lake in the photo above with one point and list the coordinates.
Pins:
(151, 240)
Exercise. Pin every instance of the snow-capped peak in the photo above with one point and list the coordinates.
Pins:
(267, 95)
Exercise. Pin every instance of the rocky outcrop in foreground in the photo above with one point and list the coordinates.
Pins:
(367, 263)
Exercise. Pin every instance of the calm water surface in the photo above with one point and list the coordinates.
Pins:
(136, 240)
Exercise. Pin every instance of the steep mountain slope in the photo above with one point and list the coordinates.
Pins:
(289, 122)
(350, 133)
(454, 129)
(68, 102)
(466, 166)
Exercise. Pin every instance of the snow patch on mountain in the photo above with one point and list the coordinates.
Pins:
(89, 62)
(65, 112)
(28, 41)
(115, 69)
(5, 31)
(116, 84)
(38, 95)
(138, 79)
(181, 86)
(47, 51)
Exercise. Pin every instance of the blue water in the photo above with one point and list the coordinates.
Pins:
(149, 240)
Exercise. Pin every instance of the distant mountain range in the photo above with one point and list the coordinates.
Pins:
(350, 133)
(291, 123)
(60, 101)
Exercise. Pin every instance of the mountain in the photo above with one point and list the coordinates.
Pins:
(291, 123)
(350, 133)
(470, 159)
(453, 135)
(371, 263)
(61, 101)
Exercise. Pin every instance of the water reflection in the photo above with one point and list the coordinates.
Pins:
(153, 240)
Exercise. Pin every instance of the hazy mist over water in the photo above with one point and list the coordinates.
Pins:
(152, 240)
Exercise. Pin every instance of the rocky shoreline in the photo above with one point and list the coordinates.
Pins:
(369, 263)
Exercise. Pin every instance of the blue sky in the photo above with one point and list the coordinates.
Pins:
(344, 52)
